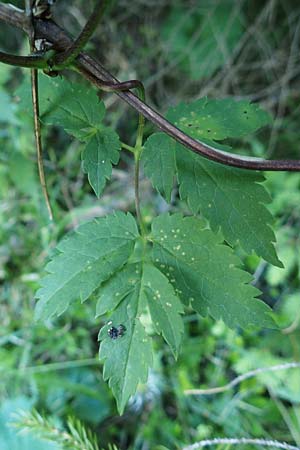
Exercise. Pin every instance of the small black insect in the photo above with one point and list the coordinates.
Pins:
(114, 332)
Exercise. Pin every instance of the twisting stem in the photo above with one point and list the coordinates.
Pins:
(34, 61)
(96, 73)
(13, 16)
(122, 86)
(65, 59)
(93, 71)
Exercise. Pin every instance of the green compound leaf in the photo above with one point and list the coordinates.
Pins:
(103, 258)
(107, 258)
(233, 200)
(87, 257)
(204, 272)
(79, 112)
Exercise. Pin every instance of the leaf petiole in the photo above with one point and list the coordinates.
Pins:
(128, 147)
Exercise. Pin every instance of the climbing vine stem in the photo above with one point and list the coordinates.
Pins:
(65, 58)
(137, 156)
(94, 72)
(38, 62)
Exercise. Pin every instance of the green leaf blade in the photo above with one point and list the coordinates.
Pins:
(231, 199)
(117, 288)
(127, 358)
(204, 272)
(160, 163)
(71, 106)
(87, 258)
(100, 153)
(80, 113)
(165, 307)
(218, 119)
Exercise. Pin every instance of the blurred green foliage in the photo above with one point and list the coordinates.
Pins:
(203, 40)
(247, 49)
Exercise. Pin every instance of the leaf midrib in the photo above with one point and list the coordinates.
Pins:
(81, 269)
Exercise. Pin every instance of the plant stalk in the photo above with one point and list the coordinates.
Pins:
(137, 156)
(137, 193)
(37, 62)
(36, 111)
(64, 59)
(94, 72)
(38, 139)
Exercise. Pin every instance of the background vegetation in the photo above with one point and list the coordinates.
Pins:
(181, 50)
